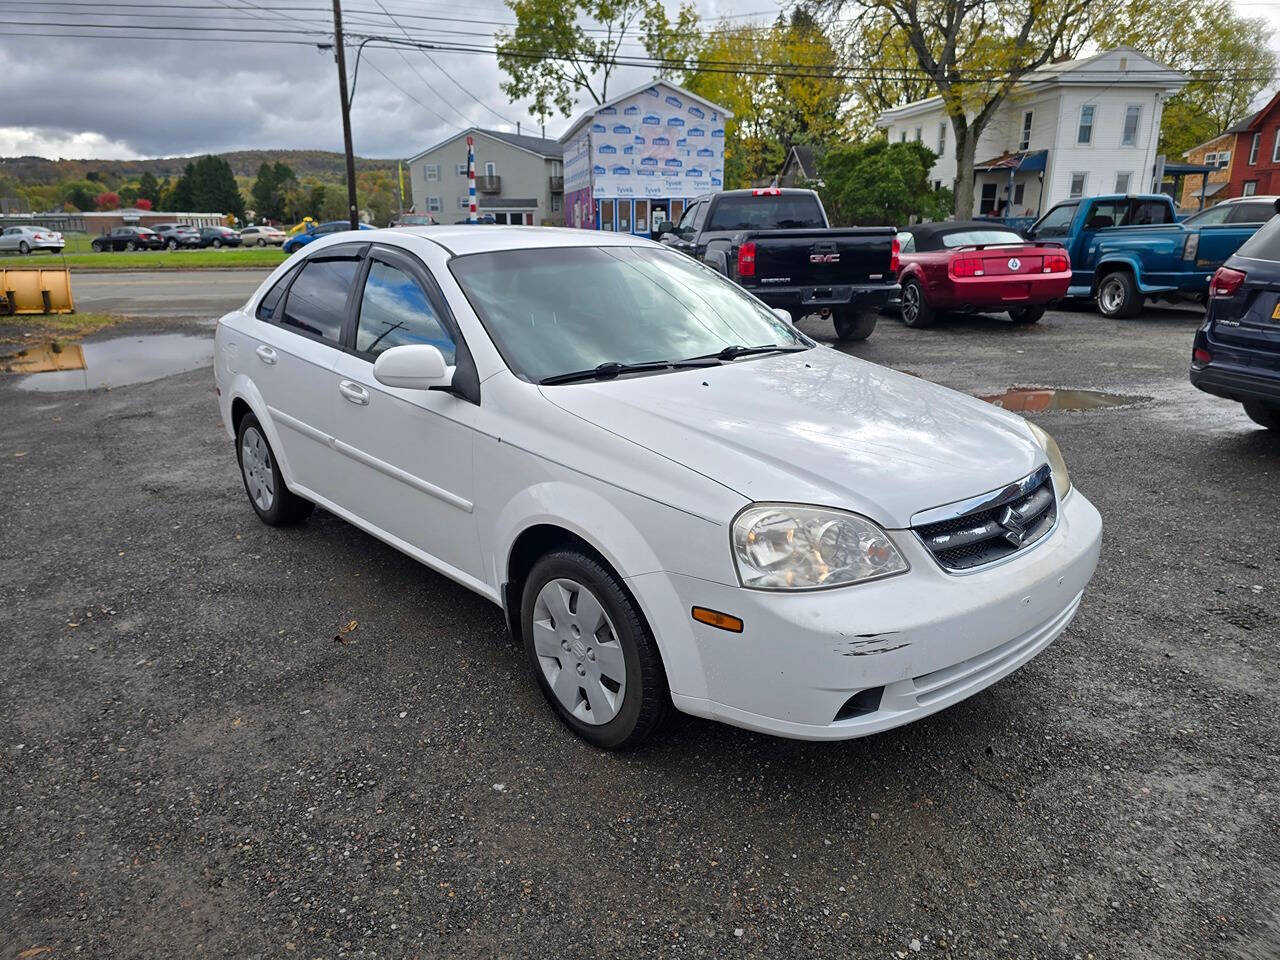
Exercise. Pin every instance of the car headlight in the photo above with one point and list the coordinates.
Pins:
(1061, 479)
(782, 546)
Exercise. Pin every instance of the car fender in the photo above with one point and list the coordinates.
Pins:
(609, 531)
(717, 256)
(243, 388)
(1113, 262)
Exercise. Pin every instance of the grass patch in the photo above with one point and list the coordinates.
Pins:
(39, 328)
(265, 257)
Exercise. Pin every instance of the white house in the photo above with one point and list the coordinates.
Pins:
(637, 159)
(1076, 128)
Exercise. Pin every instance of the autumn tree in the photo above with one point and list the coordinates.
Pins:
(974, 52)
(559, 49)
(107, 201)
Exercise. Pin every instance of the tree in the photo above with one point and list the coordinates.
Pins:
(180, 197)
(107, 201)
(1230, 54)
(79, 196)
(149, 189)
(974, 52)
(210, 185)
(878, 182)
(551, 56)
(142, 203)
(808, 98)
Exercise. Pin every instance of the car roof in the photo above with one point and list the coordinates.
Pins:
(929, 235)
(464, 238)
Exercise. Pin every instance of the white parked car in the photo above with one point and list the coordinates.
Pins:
(262, 235)
(675, 495)
(25, 240)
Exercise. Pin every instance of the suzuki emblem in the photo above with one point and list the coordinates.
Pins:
(1015, 265)
(1015, 531)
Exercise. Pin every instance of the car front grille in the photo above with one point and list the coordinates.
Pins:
(991, 528)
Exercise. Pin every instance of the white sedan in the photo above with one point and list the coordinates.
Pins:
(26, 240)
(677, 498)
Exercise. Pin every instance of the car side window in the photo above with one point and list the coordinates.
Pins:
(1106, 213)
(700, 217)
(1057, 222)
(906, 242)
(685, 227)
(1254, 212)
(395, 310)
(317, 301)
(1143, 212)
(270, 303)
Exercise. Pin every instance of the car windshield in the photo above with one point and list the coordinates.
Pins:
(558, 310)
(975, 238)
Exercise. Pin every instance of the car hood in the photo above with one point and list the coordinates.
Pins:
(816, 427)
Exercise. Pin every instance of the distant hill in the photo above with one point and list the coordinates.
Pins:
(244, 163)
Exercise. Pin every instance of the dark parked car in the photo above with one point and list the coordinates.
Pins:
(778, 244)
(960, 267)
(219, 237)
(1236, 354)
(177, 235)
(128, 238)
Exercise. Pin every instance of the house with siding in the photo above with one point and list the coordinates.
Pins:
(1218, 154)
(1069, 129)
(519, 179)
(1255, 165)
(637, 159)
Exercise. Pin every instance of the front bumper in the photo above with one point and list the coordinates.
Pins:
(918, 642)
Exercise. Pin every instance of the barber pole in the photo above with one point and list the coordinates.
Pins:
(471, 178)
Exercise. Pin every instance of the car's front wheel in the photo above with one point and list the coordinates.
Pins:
(1119, 297)
(592, 652)
(262, 241)
(851, 325)
(131, 246)
(172, 244)
(274, 503)
(1263, 414)
(217, 243)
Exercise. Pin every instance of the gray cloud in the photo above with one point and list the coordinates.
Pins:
(117, 97)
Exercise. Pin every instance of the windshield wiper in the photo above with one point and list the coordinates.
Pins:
(733, 351)
(611, 369)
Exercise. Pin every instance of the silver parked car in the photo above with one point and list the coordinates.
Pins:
(26, 239)
(262, 235)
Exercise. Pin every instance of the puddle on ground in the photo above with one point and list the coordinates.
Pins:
(110, 363)
(1036, 400)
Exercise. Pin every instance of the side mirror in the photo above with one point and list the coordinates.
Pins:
(665, 227)
(784, 316)
(1277, 205)
(414, 366)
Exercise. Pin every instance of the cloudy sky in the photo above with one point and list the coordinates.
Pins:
(138, 87)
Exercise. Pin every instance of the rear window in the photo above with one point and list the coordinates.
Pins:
(787, 212)
(1263, 245)
(1255, 211)
(975, 238)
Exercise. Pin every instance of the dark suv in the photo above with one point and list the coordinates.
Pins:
(1237, 350)
(128, 238)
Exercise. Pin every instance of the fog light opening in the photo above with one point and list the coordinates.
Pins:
(860, 704)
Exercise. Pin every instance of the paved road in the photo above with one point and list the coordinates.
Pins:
(202, 294)
(193, 766)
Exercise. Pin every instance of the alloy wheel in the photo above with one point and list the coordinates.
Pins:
(255, 461)
(579, 651)
(1111, 297)
(910, 302)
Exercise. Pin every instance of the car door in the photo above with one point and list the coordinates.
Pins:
(407, 466)
(291, 356)
(9, 238)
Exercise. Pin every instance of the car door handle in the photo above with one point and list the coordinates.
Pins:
(354, 392)
(266, 354)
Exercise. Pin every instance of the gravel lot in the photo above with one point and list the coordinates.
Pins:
(198, 763)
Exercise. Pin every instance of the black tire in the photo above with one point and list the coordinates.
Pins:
(24, 248)
(285, 507)
(131, 246)
(851, 325)
(1027, 314)
(1263, 414)
(97, 247)
(1118, 296)
(916, 311)
(217, 243)
(646, 699)
(262, 241)
(172, 244)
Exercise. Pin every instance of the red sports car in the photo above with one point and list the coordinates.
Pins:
(958, 267)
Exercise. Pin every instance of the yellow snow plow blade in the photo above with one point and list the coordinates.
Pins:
(35, 290)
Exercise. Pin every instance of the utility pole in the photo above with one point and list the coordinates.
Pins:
(352, 207)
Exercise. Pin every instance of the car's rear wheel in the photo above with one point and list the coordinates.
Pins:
(262, 241)
(1031, 314)
(24, 248)
(1118, 296)
(274, 502)
(916, 311)
(592, 652)
(1263, 414)
(851, 325)
(97, 247)
(216, 243)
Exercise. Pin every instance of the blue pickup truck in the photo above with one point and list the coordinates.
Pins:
(1127, 249)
